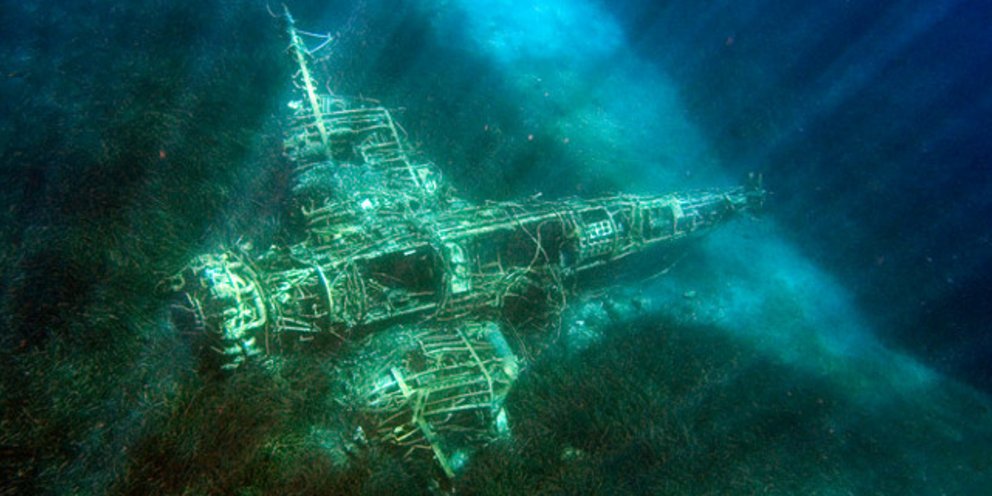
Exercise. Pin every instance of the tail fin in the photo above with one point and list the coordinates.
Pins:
(755, 191)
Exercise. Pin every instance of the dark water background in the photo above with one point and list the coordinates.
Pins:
(840, 343)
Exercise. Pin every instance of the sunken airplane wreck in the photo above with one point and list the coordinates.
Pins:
(439, 302)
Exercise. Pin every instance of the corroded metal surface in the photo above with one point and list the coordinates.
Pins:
(386, 247)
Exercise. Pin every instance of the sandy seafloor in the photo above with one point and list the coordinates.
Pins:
(836, 344)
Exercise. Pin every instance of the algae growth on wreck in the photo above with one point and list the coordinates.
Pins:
(206, 293)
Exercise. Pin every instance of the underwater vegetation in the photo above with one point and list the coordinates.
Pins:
(658, 407)
(836, 345)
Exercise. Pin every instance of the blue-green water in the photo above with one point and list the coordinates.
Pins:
(837, 344)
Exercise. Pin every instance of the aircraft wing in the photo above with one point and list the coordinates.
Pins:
(351, 160)
(434, 391)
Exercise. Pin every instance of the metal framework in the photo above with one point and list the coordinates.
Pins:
(446, 391)
(386, 245)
